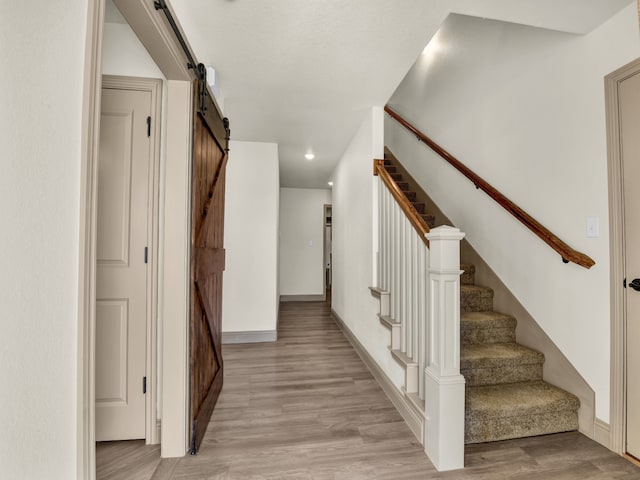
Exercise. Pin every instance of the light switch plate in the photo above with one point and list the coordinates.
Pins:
(593, 227)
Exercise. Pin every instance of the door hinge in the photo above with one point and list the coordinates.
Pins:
(146, 254)
(149, 127)
(144, 385)
(624, 283)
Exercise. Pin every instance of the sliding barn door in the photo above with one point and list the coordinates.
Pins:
(210, 145)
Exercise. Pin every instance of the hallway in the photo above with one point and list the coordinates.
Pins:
(306, 407)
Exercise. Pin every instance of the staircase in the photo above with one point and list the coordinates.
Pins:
(505, 395)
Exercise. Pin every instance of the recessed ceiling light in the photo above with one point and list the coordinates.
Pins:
(309, 156)
(330, 184)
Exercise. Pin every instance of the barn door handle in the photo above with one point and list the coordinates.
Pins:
(635, 284)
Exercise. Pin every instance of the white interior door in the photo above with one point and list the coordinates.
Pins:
(629, 105)
(122, 273)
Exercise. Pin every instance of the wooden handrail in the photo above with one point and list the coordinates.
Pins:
(407, 207)
(567, 253)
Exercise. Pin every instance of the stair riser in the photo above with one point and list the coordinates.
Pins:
(472, 335)
(419, 207)
(501, 375)
(476, 301)
(480, 430)
(467, 278)
(430, 220)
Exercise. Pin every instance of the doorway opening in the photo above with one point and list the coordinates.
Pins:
(326, 221)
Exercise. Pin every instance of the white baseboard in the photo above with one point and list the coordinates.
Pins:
(159, 432)
(302, 298)
(602, 433)
(393, 393)
(255, 336)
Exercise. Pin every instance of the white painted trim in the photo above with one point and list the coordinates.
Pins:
(602, 433)
(302, 298)
(155, 33)
(256, 336)
(154, 87)
(176, 273)
(397, 397)
(158, 428)
(86, 438)
(616, 248)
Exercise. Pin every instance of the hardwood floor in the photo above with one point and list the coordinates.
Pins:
(306, 407)
(130, 460)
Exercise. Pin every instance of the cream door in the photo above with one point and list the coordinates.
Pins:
(121, 306)
(629, 104)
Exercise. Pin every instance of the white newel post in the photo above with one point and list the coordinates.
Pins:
(444, 386)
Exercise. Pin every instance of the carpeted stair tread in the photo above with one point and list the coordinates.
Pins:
(499, 363)
(482, 355)
(404, 186)
(487, 327)
(475, 298)
(498, 412)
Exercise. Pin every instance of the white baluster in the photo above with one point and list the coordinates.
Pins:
(423, 300)
(402, 287)
(382, 228)
(388, 240)
(416, 245)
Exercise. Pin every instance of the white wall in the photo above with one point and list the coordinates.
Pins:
(524, 108)
(250, 287)
(41, 73)
(123, 54)
(301, 240)
(353, 249)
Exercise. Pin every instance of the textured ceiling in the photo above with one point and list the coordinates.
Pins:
(302, 73)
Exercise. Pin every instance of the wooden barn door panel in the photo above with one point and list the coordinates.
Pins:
(207, 262)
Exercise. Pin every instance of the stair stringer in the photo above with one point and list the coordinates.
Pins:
(412, 412)
(557, 369)
(406, 401)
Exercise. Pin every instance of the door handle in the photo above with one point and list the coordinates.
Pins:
(635, 284)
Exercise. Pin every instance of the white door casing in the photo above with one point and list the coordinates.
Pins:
(622, 97)
(629, 105)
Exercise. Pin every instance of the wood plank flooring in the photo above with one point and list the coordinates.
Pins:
(306, 407)
(130, 460)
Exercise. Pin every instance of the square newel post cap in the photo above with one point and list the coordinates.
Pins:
(444, 247)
